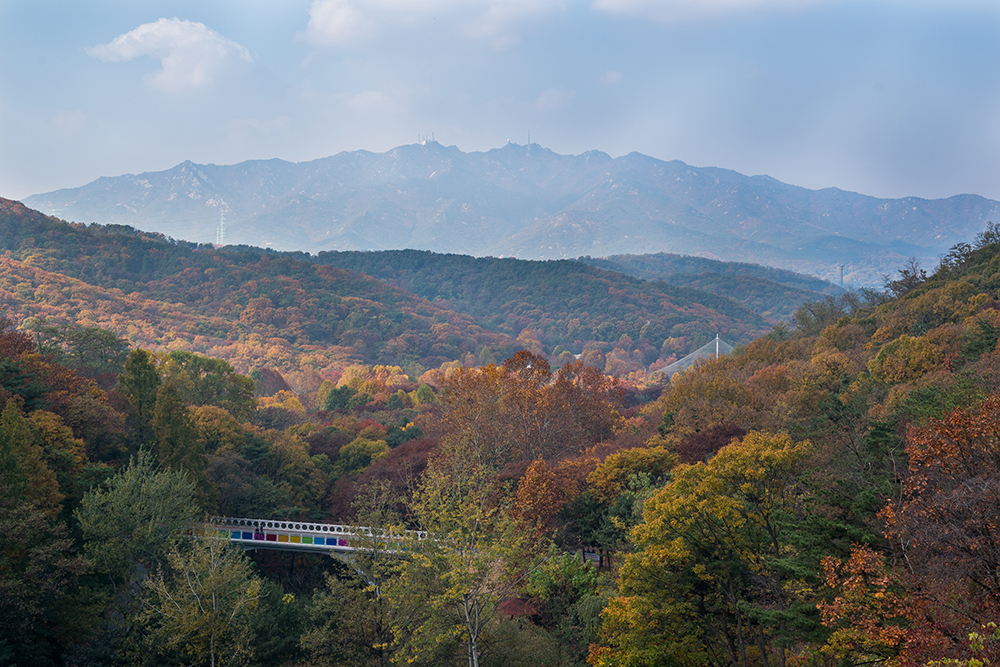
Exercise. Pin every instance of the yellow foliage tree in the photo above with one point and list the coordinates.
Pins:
(904, 359)
(202, 605)
(612, 475)
(283, 399)
(715, 525)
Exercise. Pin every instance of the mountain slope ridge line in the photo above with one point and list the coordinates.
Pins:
(532, 203)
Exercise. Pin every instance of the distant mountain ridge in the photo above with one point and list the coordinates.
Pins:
(531, 203)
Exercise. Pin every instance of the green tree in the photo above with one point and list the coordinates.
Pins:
(277, 626)
(980, 340)
(351, 619)
(338, 398)
(37, 569)
(95, 351)
(128, 526)
(139, 383)
(202, 603)
(358, 455)
(15, 379)
(714, 577)
(91, 351)
(425, 395)
(325, 387)
(243, 493)
(396, 401)
(177, 441)
(473, 556)
(204, 381)
(135, 518)
(570, 593)
(345, 628)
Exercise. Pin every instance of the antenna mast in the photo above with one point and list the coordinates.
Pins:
(220, 231)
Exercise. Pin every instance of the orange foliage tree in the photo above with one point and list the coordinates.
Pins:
(945, 533)
(522, 411)
(875, 618)
(947, 523)
(541, 493)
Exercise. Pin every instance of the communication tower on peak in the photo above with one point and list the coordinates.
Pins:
(220, 231)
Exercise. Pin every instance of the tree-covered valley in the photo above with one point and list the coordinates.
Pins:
(825, 495)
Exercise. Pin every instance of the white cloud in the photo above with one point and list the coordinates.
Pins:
(345, 23)
(502, 19)
(192, 55)
(681, 11)
(611, 77)
(553, 99)
(337, 23)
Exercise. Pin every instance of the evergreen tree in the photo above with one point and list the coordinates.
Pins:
(338, 398)
(139, 383)
(425, 395)
(37, 572)
(178, 446)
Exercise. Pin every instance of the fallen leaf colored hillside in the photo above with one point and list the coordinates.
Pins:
(248, 308)
(290, 310)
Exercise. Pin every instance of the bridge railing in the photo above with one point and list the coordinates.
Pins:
(302, 535)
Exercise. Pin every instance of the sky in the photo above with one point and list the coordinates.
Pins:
(889, 98)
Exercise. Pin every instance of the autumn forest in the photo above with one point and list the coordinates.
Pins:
(825, 495)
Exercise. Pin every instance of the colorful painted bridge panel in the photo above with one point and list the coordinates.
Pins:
(296, 535)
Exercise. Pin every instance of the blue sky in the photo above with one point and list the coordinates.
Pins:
(885, 97)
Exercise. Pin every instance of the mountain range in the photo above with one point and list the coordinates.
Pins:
(529, 202)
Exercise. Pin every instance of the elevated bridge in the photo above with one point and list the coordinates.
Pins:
(326, 538)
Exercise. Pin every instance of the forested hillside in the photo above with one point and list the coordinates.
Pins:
(661, 266)
(562, 302)
(854, 522)
(768, 291)
(299, 314)
(248, 308)
(824, 495)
